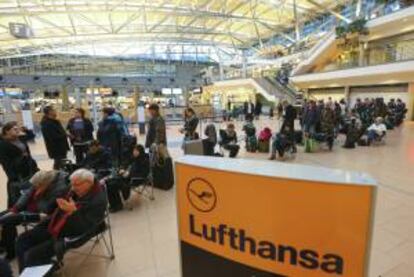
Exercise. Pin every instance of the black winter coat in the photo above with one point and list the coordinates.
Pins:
(90, 213)
(290, 113)
(55, 138)
(16, 165)
(140, 167)
(100, 160)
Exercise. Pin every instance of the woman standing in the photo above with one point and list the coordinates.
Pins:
(80, 131)
(19, 166)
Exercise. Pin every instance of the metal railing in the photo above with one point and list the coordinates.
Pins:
(285, 89)
(391, 52)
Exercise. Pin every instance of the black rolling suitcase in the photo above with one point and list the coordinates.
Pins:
(163, 174)
(298, 137)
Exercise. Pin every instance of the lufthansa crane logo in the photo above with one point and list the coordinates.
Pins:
(201, 195)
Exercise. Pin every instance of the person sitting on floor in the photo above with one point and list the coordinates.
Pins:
(209, 143)
(229, 140)
(81, 210)
(98, 158)
(282, 142)
(353, 133)
(377, 130)
(250, 131)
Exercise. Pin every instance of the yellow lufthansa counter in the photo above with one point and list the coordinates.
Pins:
(256, 218)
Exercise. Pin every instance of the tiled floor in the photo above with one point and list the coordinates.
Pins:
(146, 243)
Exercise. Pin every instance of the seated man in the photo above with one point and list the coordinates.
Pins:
(376, 131)
(229, 140)
(97, 158)
(81, 210)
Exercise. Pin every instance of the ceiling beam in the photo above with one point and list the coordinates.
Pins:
(149, 7)
(334, 13)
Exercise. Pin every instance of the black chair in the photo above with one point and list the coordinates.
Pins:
(145, 186)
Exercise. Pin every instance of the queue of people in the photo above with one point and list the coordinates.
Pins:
(321, 122)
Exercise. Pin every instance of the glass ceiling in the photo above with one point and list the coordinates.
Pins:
(208, 29)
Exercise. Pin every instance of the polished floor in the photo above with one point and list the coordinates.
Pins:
(146, 240)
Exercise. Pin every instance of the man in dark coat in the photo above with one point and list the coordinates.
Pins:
(258, 109)
(310, 118)
(156, 128)
(110, 133)
(248, 109)
(55, 137)
(289, 121)
(81, 211)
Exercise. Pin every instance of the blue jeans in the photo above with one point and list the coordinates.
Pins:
(372, 135)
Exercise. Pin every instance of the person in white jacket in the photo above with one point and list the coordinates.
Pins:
(377, 130)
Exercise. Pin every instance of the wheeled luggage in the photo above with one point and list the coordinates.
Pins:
(163, 174)
(193, 147)
(299, 137)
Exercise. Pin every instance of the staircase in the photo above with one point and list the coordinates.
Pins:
(272, 86)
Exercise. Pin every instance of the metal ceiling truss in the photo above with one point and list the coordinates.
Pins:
(222, 24)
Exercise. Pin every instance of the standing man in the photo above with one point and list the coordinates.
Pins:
(289, 121)
(55, 137)
(156, 128)
(248, 109)
(258, 109)
(110, 133)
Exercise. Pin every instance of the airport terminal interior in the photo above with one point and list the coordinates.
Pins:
(199, 138)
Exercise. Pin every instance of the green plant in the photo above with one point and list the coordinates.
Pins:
(341, 31)
(355, 27)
